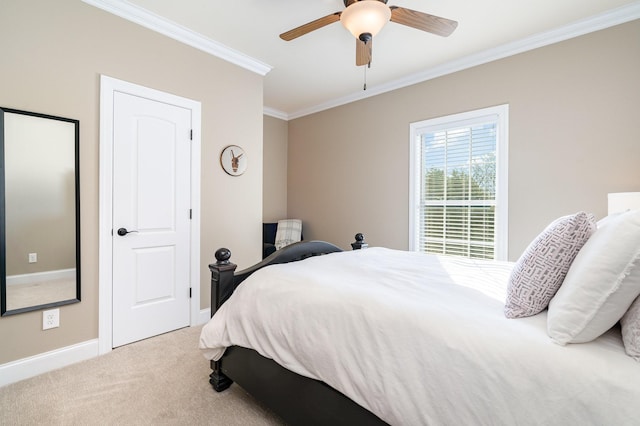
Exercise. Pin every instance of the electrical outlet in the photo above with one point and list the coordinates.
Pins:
(50, 319)
(33, 257)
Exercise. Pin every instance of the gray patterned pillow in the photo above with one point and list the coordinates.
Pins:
(631, 330)
(538, 274)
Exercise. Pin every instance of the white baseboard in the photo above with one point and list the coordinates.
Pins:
(25, 368)
(204, 316)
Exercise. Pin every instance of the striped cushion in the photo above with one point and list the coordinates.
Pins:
(538, 274)
(289, 231)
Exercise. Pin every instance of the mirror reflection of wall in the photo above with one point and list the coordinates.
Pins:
(40, 184)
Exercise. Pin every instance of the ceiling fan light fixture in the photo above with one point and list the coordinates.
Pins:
(365, 16)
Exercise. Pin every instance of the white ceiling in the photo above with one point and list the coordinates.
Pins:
(318, 70)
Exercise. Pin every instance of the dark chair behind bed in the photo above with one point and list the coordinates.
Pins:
(269, 238)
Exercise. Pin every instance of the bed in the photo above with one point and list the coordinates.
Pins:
(381, 336)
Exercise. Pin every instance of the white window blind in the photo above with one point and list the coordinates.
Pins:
(458, 184)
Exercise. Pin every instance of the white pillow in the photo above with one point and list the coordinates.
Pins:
(630, 323)
(539, 272)
(601, 284)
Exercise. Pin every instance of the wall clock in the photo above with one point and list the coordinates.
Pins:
(233, 160)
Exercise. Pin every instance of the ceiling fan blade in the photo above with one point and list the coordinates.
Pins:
(311, 26)
(423, 21)
(363, 52)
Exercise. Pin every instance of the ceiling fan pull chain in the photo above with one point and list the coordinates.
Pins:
(365, 77)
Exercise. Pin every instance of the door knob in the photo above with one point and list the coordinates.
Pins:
(123, 231)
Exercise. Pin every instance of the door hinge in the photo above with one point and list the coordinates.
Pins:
(189, 292)
(190, 214)
(191, 134)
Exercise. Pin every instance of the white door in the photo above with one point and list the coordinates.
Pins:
(151, 213)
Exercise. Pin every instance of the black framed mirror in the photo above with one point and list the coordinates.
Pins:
(39, 211)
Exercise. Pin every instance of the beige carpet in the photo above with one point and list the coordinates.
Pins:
(158, 381)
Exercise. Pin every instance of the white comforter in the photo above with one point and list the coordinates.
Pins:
(420, 339)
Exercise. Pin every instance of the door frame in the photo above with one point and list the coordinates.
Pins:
(108, 87)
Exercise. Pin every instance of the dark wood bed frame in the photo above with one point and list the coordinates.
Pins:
(298, 400)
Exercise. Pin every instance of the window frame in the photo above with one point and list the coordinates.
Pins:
(498, 114)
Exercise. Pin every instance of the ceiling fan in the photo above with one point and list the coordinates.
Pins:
(365, 18)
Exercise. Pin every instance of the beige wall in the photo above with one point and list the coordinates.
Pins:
(52, 56)
(574, 129)
(274, 203)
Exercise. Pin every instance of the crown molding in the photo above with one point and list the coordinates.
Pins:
(608, 19)
(275, 113)
(147, 19)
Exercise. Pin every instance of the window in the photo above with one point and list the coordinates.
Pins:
(458, 184)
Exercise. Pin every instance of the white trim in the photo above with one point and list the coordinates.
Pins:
(105, 191)
(25, 368)
(414, 189)
(177, 32)
(108, 86)
(502, 185)
(205, 316)
(595, 23)
(502, 169)
(271, 112)
(196, 153)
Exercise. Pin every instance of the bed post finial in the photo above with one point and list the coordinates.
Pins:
(359, 244)
(222, 256)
